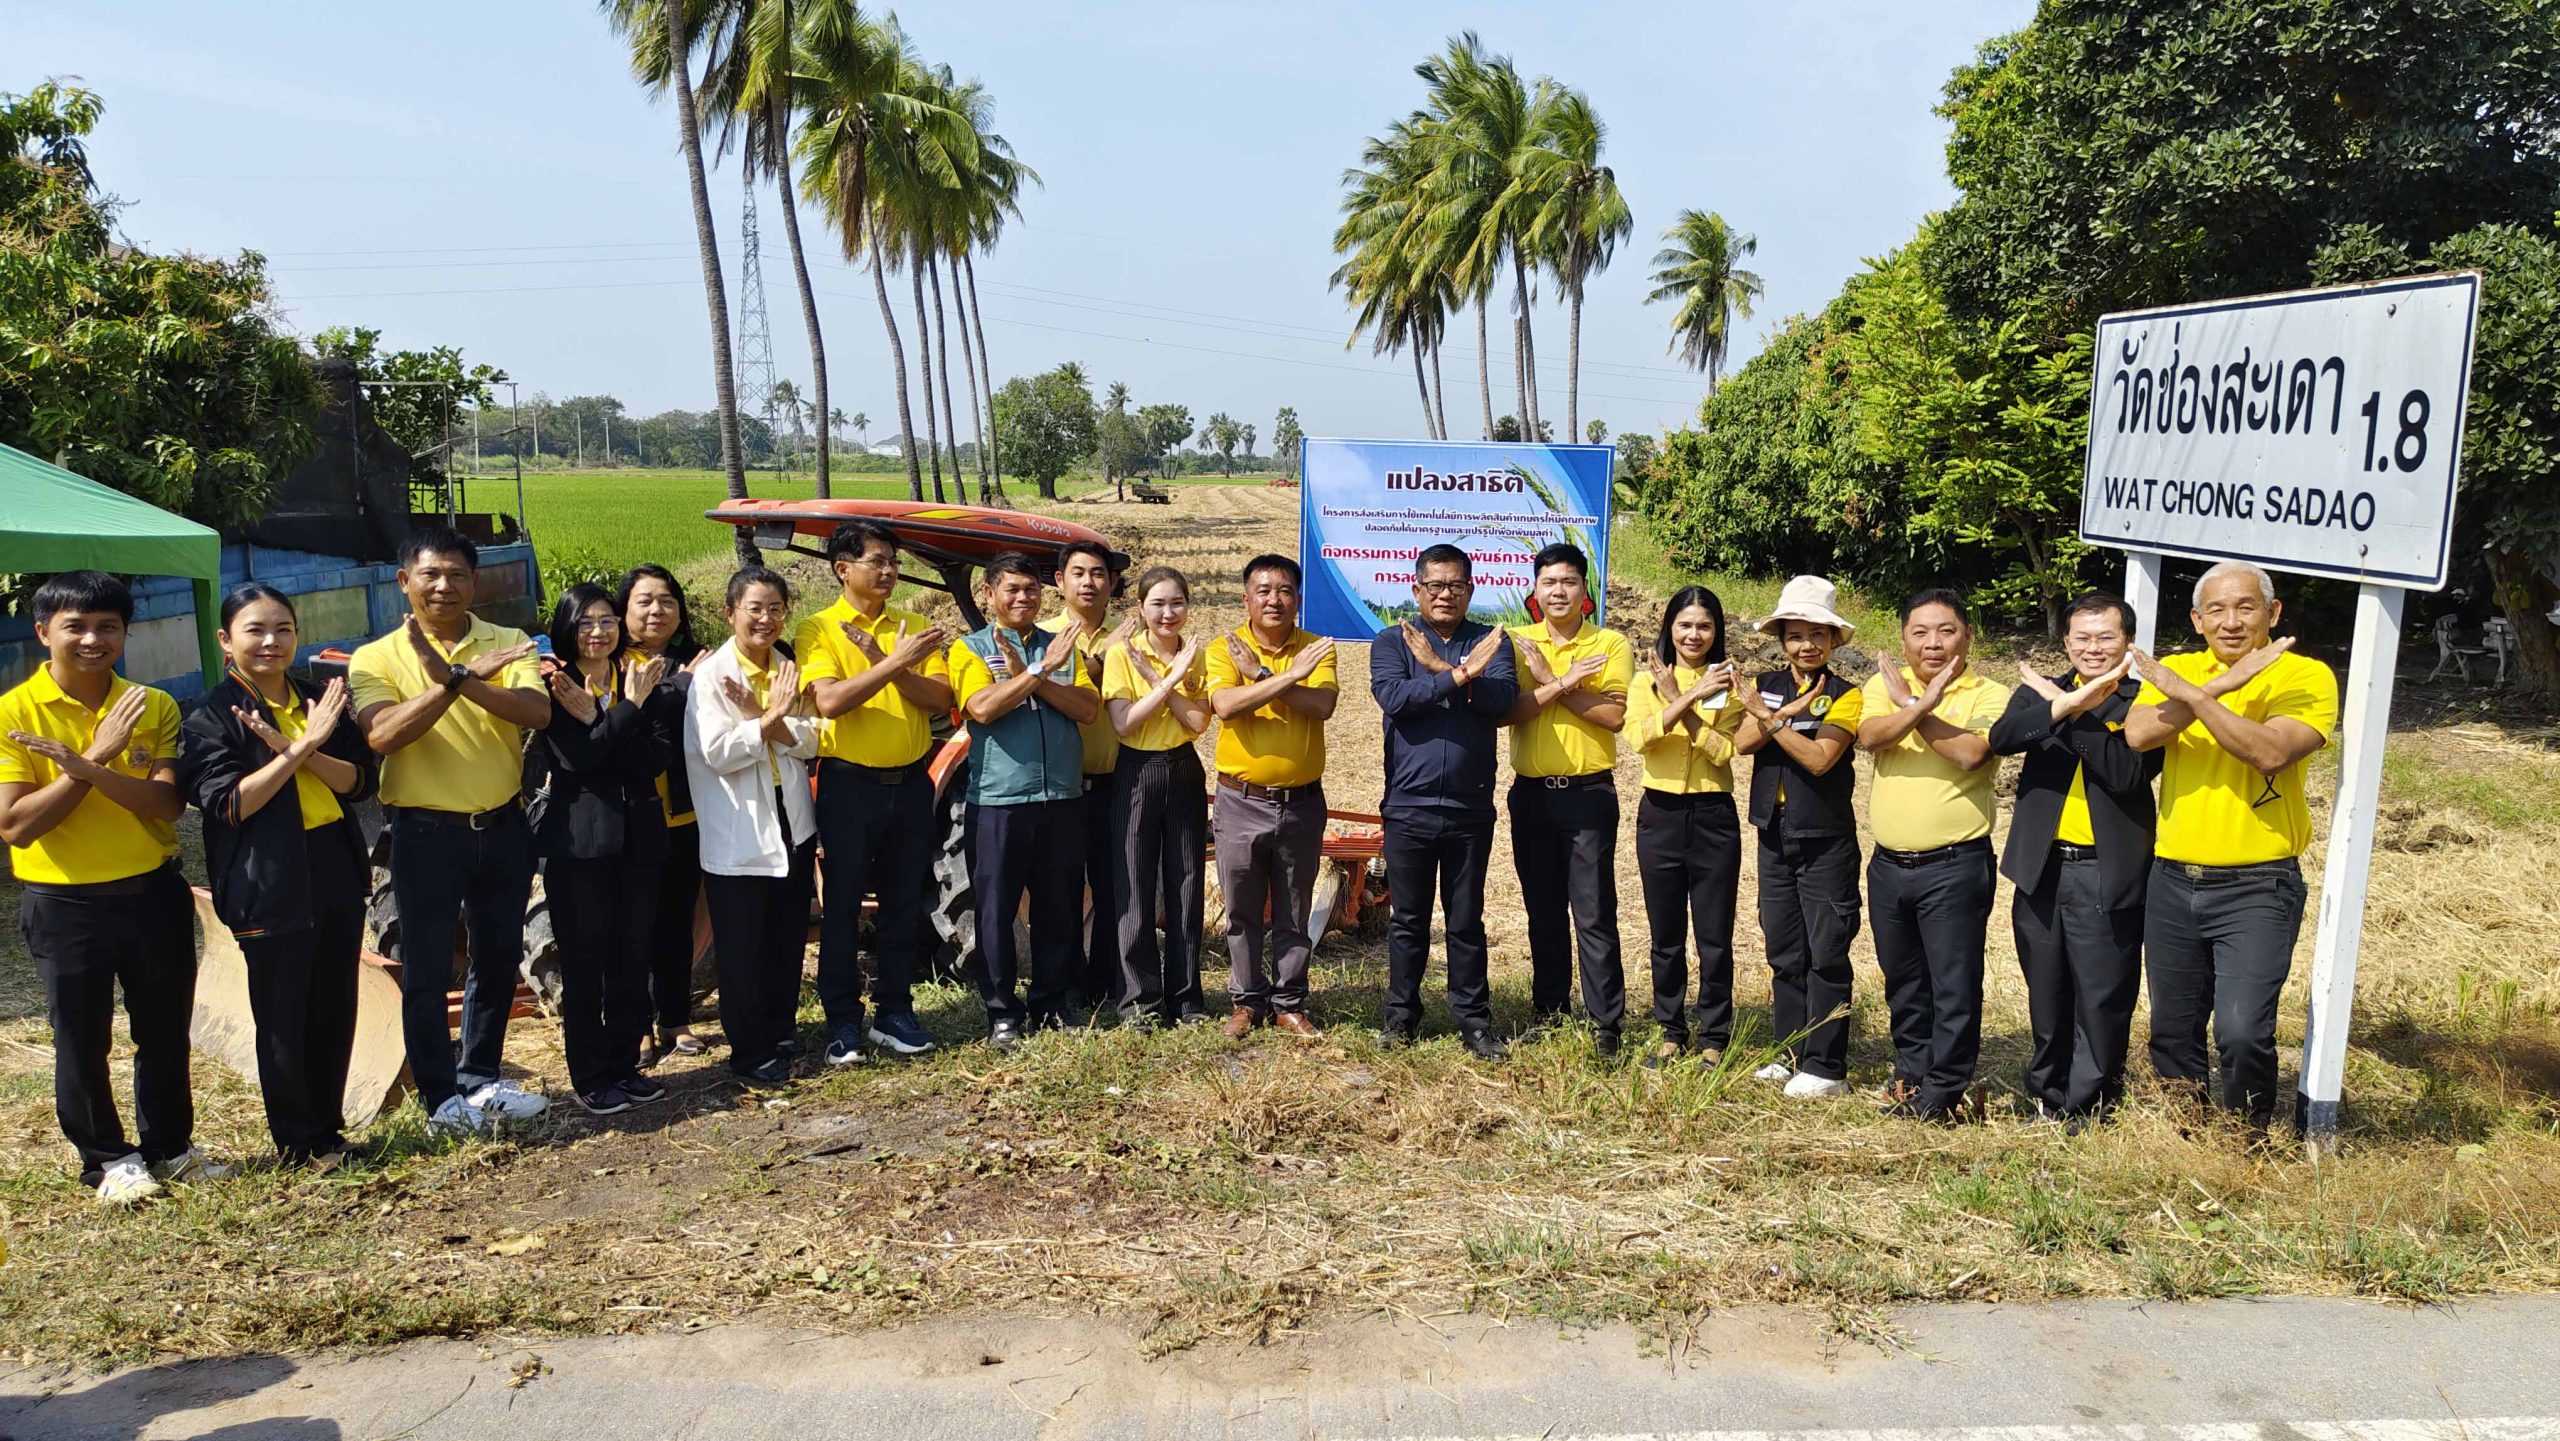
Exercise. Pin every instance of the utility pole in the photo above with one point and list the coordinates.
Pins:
(475, 438)
(579, 419)
(608, 440)
(537, 430)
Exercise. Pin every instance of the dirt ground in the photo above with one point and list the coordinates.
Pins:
(1193, 1188)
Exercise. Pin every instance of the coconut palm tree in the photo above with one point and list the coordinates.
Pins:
(1579, 218)
(1697, 267)
(865, 107)
(1485, 121)
(662, 38)
(991, 194)
(786, 402)
(748, 95)
(1397, 282)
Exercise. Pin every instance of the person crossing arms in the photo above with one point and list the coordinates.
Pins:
(1086, 579)
(1574, 678)
(1272, 687)
(1025, 692)
(445, 700)
(89, 805)
(1681, 719)
(2238, 720)
(2079, 852)
(658, 625)
(1926, 721)
(1155, 690)
(1798, 724)
(877, 675)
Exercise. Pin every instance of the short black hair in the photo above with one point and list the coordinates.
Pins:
(854, 537)
(249, 593)
(1280, 563)
(571, 609)
(81, 592)
(1937, 595)
(2102, 600)
(747, 577)
(1560, 553)
(1093, 548)
(681, 646)
(437, 538)
(1444, 554)
(1682, 599)
(1014, 562)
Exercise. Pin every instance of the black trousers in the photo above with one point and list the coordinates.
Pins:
(447, 878)
(759, 932)
(1429, 849)
(1564, 843)
(2219, 941)
(1808, 916)
(2083, 968)
(1929, 918)
(671, 910)
(1689, 858)
(86, 941)
(1017, 851)
(302, 995)
(878, 841)
(1095, 976)
(604, 963)
(1159, 813)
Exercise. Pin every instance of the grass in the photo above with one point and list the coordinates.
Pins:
(625, 516)
(1198, 1189)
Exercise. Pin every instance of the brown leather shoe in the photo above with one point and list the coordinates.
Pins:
(1296, 1024)
(1240, 1023)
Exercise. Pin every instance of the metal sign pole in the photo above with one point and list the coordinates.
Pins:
(2142, 592)
(2364, 716)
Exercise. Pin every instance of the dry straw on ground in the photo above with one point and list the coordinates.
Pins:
(1203, 1189)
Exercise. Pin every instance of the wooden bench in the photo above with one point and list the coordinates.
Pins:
(1150, 494)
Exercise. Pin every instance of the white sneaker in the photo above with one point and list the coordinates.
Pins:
(192, 1167)
(1808, 1086)
(458, 1117)
(126, 1181)
(509, 1100)
(1775, 1073)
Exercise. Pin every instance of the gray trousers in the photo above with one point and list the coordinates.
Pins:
(1268, 855)
(2219, 944)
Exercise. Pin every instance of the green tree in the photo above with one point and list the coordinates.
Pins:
(1596, 432)
(1046, 423)
(435, 387)
(1167, 426)
(1576, 220)
(1119, 441)
(1699, 266)
(1286, 436)
(1222, 435)
(159, 375)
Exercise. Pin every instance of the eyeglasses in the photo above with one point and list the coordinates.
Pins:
(598, 622)
(878, 562)
(1444, 587)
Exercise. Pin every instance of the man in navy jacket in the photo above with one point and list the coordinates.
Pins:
(1446, 685)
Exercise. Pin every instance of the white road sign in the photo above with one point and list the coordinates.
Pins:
(2314, 431)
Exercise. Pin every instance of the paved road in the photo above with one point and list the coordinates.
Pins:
(2300, 1370)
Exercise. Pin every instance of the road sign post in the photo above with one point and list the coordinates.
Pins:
(2318, 432)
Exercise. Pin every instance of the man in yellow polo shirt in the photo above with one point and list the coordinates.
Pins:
(2238, 719)
(1273, 687)
(89, 805)
(1564, 799)
(445, 700)
(878, 677)
(1087, 580)
(1927, 723)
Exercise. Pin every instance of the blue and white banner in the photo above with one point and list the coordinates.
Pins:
(1370, 506)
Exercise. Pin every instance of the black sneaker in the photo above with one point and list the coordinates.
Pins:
(900, 1032)
(1005, 1035)
(1396, 1038)
(640, 1090)
(846, 1048)
(774, 1072)
(789, 1049)
(605, 1101)
(1485, 1046)
(1607, 1044)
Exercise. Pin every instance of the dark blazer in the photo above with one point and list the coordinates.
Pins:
(602, 794)
(2122, 813)
(1440, 737)
(1817, 805)
(260, 868)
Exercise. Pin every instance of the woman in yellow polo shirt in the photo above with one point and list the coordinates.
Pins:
(1155, 689)
(275, 769)
(1688, 839)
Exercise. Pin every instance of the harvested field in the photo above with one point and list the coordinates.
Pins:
(1196, 1188)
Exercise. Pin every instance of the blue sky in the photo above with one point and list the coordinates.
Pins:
(487, 176)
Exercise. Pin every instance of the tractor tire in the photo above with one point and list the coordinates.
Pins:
(541, 966)
(951, 907)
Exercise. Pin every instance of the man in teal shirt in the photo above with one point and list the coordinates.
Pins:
(1025, 692)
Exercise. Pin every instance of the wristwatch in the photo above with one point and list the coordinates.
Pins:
(1262, 674)
(454, 678)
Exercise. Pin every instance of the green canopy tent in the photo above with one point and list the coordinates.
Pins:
(52, 520)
